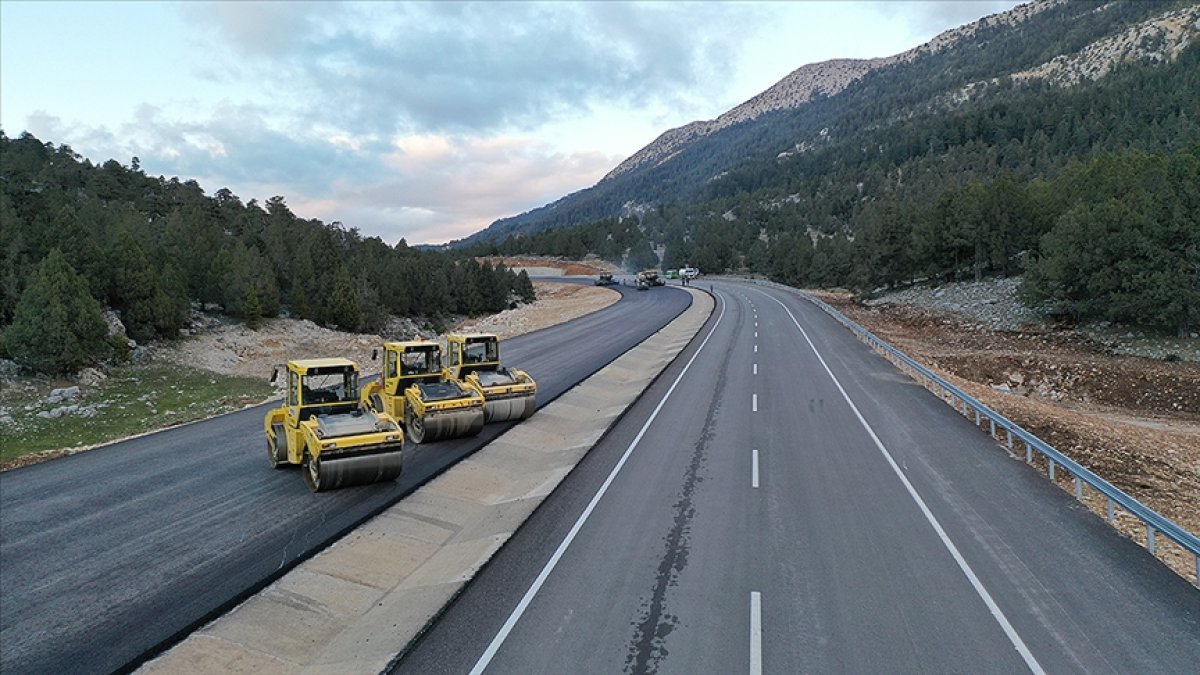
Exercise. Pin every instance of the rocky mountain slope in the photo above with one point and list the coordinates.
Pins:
(1058, 42)
(827, 78)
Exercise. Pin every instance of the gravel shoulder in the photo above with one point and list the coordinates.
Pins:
(1133, 420)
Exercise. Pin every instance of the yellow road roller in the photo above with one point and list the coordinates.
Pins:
(474, 360)
(413, 390)
(324, 427)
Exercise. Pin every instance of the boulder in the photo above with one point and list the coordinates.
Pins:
(90, 377)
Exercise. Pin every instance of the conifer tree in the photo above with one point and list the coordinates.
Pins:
(57, 325)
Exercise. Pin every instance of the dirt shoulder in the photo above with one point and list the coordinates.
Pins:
(223, 366)
(1134, 421)
(237, 350)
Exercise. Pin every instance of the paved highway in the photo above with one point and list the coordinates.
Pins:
(113, 553)
(782, 500)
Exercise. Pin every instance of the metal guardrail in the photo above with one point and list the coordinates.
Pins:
(1154, 522)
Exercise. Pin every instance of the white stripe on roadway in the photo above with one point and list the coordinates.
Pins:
(494, 646)
(755, 349)
(754, 469)
(756, 369)
(754, 401)
(1011, 632)
(755, 633)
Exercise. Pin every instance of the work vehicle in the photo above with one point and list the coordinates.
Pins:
(413, 390)
(474, 360)
(651, 278)
(323, 426)
(689, 273)
(605, 279)
(672, 274)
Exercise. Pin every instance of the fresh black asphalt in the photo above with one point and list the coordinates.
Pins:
(110, 555)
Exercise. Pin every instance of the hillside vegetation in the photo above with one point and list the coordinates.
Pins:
(78, 237)
(1066, 144)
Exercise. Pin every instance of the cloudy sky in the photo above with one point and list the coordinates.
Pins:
(423, 121)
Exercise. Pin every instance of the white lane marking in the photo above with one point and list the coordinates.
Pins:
(756, 334)
(755, 633)
(755, 349)
(754, 469)
(1001, 619)
(756, 369)
(501, 636)
(755, 402)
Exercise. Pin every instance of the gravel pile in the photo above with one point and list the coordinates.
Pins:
(992, 303)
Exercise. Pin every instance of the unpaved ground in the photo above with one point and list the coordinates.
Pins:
(236, 350)
(548, 266)
(232, 349)
(1133, 421)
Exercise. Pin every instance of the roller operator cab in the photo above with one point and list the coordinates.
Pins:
(474, 360)
(323, 427)
(412, 389)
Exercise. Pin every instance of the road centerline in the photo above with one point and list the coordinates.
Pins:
(754, 468)
(755, 633)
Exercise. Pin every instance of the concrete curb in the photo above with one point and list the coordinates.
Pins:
(354, 606)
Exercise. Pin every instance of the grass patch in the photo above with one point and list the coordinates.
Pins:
(134, 399)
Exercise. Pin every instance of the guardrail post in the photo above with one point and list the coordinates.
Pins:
(1150, 544)
(1051, 467)
(1029, 454)
(977, 420)
(1109, 511)
(1009, 438)
(1078, 489)
(993, 432)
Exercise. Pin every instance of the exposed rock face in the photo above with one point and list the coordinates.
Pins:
(1159, 39)
(815, 79)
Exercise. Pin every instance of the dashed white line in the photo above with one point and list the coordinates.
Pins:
(755, 349)
(755, 633)
(754, 469)
(756, 369)
(755, 333)
(754, 401)
(1031, 662)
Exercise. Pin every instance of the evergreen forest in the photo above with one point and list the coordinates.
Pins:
(77, 237)
(1092, 191)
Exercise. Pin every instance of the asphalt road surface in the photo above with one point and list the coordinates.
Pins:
(110, 555)
(785, 506)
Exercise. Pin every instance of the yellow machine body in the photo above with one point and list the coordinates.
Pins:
(323, 427)
(474, 360)
(413, 390)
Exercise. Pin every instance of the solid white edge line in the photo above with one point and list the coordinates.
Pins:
(755, 633)
(501, 636)
(1011, 632)
(754, 469)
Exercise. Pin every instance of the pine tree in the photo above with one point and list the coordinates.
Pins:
(524, 287)
(57, 325)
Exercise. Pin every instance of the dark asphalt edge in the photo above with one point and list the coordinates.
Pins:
(177, 637)
(394, 664)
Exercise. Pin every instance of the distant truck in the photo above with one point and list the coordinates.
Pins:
(689, 273)
(606, 279)
(650, 278)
